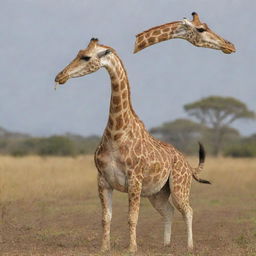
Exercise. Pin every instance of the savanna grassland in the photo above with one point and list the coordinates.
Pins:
(49, 206)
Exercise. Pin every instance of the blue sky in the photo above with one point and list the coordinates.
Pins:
(39, 38)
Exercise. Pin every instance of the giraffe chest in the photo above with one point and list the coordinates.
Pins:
(110, 166)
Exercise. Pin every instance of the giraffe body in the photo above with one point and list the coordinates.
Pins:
(116, 165)
(128, 158)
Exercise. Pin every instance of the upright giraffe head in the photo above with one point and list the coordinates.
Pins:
(203, 36)
(87, 61)
(194, 31)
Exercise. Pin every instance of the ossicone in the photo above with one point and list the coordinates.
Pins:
(93, 39)
(196, 19)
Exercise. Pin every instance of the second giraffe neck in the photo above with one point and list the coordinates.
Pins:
(121, 113)
(159, 34)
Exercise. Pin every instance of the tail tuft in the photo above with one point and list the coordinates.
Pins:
(200, 165)
(201, 153)
(201, 180)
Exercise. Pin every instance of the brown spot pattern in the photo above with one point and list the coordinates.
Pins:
(119, 122)
(115, 109)
(151, 40)
(125, 104)
(142, 45)
(129, 161)
(115, 87)
(110, 122)
(156, 32)
(163, 37)
(116, 100)
(166, 29)
(117, 136)
(140, 38)
(123, 84)
(124, 94)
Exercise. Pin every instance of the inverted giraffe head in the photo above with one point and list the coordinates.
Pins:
(194, 31)
(87, 61)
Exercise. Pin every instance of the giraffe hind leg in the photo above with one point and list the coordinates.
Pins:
(180, 199)
(160, 202)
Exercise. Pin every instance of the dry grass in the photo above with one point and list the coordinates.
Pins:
(49, 206)
(33, 177)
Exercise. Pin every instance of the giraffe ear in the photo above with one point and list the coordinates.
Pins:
(104, 53)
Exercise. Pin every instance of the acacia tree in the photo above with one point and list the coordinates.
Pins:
(182, 133)
(218, 113)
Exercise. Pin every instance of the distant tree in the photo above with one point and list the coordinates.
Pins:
(231, 136)
(182, 133)
(245, 148)
(84, 145)
(18, 144)
(56, 145)
(218, 113)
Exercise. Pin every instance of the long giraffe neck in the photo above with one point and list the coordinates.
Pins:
(159, 34)
(121, 113)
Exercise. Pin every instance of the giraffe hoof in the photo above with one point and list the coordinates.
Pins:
(105, 248)
(190, 249)
(133, 249)
(105, 251)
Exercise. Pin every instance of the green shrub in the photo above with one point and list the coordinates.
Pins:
(56, 145)
(18, 152)
(242, 150)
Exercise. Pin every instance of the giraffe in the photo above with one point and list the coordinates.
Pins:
(128, 158)
(195, 32)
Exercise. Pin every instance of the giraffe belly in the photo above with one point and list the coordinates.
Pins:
(154, 179)
(152, 188)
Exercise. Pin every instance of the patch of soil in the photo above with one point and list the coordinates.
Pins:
(73, 227)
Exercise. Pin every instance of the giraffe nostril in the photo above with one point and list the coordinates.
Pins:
(56, 79)
(61, 78)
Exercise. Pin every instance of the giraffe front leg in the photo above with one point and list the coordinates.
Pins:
(105, 194)
(134, 192)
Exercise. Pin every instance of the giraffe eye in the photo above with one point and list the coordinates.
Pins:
(201, 30)
(86, 58)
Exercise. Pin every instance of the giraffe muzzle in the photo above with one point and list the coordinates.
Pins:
(61, 78)
(228, 48)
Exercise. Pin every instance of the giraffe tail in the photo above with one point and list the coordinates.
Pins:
(200, 167)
